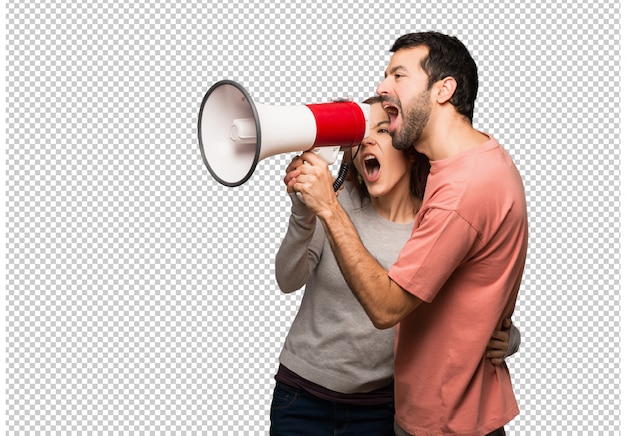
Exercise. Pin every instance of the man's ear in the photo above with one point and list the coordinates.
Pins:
(446, 89)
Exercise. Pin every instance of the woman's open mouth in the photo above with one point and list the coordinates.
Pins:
(371, 167)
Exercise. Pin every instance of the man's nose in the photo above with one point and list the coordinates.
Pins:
(383, 87)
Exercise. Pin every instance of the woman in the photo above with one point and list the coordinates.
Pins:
(336, 369)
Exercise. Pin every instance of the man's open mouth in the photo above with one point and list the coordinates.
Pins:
(393, 112)
(390, 109)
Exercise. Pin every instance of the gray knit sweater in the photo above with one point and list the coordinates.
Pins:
(332, 342)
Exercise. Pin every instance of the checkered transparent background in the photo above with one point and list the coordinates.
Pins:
(140, 292)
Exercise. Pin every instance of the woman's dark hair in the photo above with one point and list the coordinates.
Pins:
(420, 167)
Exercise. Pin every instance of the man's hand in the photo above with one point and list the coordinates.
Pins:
(499, 343)
(312, 178)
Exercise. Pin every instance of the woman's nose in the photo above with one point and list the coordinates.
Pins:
(368, 140)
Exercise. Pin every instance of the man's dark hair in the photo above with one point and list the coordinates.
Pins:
(447, 57)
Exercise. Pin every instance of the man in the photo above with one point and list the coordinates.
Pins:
(458, 276)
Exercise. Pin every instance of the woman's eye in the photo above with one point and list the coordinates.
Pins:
(384, 131)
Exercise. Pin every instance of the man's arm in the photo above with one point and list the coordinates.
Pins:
(384, 301)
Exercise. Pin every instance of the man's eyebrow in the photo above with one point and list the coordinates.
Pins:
(395, 70)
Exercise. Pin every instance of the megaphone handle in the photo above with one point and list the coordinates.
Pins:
(329, 154)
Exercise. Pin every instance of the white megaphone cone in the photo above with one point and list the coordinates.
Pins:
(235, 133)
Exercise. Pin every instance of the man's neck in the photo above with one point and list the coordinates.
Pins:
(449, 137)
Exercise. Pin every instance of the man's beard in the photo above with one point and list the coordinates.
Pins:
(414, 121)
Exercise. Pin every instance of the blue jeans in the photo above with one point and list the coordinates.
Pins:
(298, 413)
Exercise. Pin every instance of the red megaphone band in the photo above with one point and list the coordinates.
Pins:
(338, 123)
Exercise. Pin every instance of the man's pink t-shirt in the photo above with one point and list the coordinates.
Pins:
(465, 260)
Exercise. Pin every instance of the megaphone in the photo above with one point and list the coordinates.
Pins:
(235, 133)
